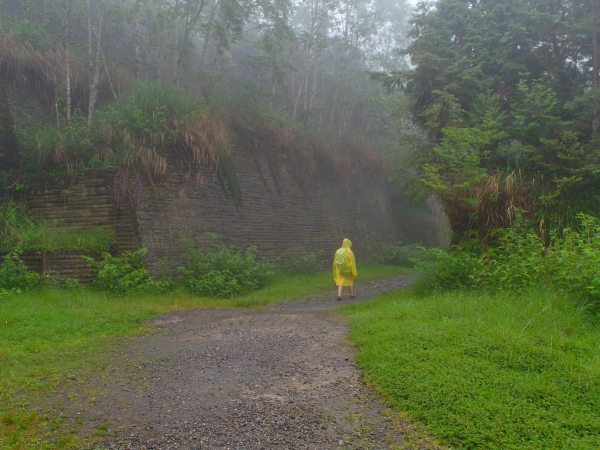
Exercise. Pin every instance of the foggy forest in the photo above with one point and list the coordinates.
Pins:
(175, 179)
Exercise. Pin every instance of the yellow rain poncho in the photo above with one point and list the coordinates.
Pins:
(344, 266)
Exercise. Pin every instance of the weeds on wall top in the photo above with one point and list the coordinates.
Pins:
(151, 126)
(143, 127)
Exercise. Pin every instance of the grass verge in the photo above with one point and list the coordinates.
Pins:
(50, 337)
(482, 371)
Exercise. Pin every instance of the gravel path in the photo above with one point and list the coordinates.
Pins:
(278, 378)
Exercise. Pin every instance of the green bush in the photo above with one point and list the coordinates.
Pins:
(306, 263)
(523, 259)
(124, 273)
(224, 271)
(400, 255)
(517, 262)
(449, 270)
(15, 277)
(572, 262)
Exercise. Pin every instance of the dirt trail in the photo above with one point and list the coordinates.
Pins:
(278, 378)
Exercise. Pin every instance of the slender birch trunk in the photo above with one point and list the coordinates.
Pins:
(208, 35)
(96, 70)
(66, 28)
(137, 40)
(595, 67)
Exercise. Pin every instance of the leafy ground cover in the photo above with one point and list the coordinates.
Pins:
(499, 371)
(49, 337)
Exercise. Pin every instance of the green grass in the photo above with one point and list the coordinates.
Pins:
(482, 371)
(51, 336)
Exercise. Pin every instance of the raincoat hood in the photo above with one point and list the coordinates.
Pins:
(347, 243)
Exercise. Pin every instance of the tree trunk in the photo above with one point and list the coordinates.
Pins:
(314, 87)
(66, 28)
(334, 102)
(96, 71)
(110, 83)
(136, 40)
(300, 87)
(159, 42)
(207, 37)
(595, 75)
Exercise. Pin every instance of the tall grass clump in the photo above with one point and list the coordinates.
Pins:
(155, 121)
(489, 371)
(139, 133)
(15, 224)
(68, 149)
(19, 231)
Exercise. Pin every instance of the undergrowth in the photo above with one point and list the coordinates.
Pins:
(401, 255)
(567, 260)
(15, 277)
(124, 273)
(224, 271)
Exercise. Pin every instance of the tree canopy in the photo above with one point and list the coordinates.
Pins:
(504, 94)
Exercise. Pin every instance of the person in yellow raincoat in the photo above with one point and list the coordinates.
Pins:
(344, 268)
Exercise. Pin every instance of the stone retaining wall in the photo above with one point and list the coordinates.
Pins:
(298, 213)
(60, 265)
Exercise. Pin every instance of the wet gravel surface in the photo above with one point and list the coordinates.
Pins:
(278, 378)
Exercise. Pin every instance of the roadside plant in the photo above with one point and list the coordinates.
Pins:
(224, 271)
(449, 269)
(124, 273)
(521, 259)
(400, 255)
(518, 261)
(304, 263)
(572, 261)
(70, 283)
(15, 277)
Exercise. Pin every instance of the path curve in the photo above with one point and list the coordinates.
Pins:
(278, 378)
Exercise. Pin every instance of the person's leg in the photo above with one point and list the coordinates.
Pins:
(340, 290)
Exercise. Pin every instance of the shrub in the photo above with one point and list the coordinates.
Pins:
(15, 277)
(449, 270)
(306, 263)
(522, 260)
(224, 271)
(399, 255)
(124, 273)
(572, 261)
(518, 262)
